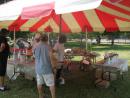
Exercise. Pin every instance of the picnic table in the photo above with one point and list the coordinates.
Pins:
(113, 65)
(81, 53)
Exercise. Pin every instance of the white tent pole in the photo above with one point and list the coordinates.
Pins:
(14, 76)
(86, 39)
(14, 52)
(48, 38)
(60, 26)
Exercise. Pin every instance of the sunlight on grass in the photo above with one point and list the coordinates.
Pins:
(122, 49)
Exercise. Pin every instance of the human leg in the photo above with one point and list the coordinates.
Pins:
(52, 90)
(3, 87)
(40, 91)
(2, 79)
(40, 83)
(59, 77)
(50, 82)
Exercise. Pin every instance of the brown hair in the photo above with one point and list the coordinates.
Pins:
(4, 32)
(44, 37)
(62, 38)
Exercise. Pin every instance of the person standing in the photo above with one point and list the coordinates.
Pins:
(59, 49)
(43, 66)
(4, 53)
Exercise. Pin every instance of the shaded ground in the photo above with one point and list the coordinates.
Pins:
(79, 84)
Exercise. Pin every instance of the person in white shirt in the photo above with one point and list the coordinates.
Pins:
(59, 49)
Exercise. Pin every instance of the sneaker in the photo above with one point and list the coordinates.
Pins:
(62, 82)
(5, 88)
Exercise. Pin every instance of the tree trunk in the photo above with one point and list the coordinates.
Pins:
(112, 41)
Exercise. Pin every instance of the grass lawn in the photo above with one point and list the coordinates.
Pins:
(78, 84)
(122, 50)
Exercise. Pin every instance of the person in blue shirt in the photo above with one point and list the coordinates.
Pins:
(43, 67)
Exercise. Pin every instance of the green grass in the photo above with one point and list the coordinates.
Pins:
(78, 84)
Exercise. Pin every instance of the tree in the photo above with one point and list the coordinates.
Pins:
(95, 35)
(25, 35)
(19, 34)
(112, 36)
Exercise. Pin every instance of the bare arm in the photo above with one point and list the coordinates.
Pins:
(2, 47)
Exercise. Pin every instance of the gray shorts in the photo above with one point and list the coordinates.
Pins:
(47, 79)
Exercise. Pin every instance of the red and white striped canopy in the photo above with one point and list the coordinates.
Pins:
(111, 15)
